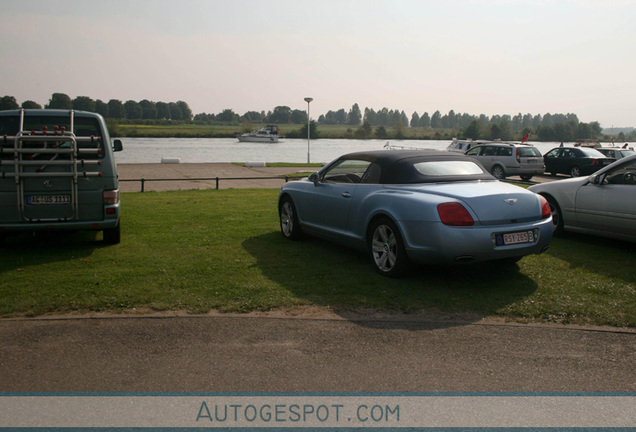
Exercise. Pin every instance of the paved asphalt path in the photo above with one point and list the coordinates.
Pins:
(162, 177)
(309, 352)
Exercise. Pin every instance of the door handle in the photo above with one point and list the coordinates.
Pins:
(346, 195)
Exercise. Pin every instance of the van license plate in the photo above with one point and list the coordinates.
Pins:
(516, 238)
(48, 199)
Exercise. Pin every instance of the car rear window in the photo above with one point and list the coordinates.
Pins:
(448, 168)
(588, 152)
(83, 127)
(529, 152)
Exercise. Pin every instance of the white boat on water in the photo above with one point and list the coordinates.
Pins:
(462, 146)
(268, 134)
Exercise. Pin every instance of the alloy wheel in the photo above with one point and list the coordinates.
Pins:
(287, 219)
(384, 248)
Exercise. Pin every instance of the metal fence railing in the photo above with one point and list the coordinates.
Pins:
(217, 180)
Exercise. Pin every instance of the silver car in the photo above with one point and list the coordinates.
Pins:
(509, 159)
(427, 207)
(616, 152)
(602, 204)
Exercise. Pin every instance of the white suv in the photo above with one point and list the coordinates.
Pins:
(509, 159)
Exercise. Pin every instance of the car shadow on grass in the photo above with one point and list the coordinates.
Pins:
(39, 273)
(23, 250)
(320, 273)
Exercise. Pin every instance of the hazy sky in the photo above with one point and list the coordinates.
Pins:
(473, 56)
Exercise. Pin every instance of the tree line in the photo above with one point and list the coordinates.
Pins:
(114, 108)
(390, 123)
(280, 115)
(284, 115)
(384, 123)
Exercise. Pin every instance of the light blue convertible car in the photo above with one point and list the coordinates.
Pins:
(426, 207)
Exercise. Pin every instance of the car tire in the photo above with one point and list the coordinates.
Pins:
(498, 172)
(526, 177)
(112, 236)
(388, 254)
(289, 225)
(557, 215)
(575, 171)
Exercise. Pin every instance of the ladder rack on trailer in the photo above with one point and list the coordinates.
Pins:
(56, 144)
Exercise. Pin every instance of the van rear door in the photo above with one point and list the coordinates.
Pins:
(52, 169)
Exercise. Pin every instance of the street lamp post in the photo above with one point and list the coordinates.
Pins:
(308, 99)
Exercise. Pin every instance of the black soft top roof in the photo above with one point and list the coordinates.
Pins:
(398, 166)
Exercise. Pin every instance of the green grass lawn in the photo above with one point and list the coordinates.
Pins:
(203, 250)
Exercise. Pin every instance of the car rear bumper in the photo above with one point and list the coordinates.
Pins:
(96, 225)
(588, 170)
(526, 171)
(66, 226)
(437, 243)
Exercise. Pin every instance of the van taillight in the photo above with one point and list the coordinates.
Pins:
(518, 156)
(111, 197)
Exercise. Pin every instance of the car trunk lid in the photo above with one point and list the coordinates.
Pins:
(492, 203)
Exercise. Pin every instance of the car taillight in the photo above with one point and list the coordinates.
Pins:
(518, 157)
(111, 197)
(545, 207)
(454, 214)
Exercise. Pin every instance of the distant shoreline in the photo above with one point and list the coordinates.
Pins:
(292, 131)
(199, 130)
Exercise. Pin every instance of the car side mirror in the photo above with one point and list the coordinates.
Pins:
(314, 179)
(117, 145)
(597, 180)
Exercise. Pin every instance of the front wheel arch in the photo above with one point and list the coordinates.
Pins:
(288, 218)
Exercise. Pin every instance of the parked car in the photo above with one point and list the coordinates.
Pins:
(509, 159)
(421, 206)
(602, 204)
(58, 173)
(575, 161)
(616, 152)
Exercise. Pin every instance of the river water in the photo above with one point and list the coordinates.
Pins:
(206, 150)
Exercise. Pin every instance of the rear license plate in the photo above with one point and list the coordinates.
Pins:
(515, 238)
(48, 199)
